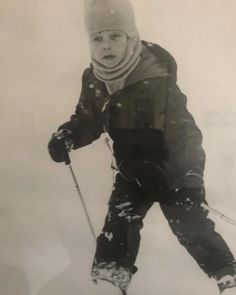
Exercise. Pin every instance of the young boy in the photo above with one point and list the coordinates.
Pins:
(129, 92)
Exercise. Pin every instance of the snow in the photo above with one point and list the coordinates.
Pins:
(123, 205)
(119, 105)
(108, 235)
(91, 86)
(46, 247)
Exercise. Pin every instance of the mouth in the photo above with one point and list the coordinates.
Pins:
(109, 57)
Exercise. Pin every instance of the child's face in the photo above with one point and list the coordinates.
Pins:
(108, 47)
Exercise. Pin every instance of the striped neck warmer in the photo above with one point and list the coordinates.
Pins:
(125, 67)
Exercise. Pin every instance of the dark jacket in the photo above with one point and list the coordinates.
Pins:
(147, 119)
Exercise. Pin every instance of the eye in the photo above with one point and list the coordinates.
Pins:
(115, 36)
(97, 38)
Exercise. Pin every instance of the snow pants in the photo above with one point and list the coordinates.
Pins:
(120, 238)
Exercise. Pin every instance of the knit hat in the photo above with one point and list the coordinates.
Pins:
(103, 15)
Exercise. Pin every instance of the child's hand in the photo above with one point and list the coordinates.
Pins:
(60, 145)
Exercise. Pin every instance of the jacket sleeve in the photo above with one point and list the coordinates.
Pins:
(85, 123)
(183, 140)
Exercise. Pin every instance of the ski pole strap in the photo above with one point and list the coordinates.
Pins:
(83, 202)
(219, 214)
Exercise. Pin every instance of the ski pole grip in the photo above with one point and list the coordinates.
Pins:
(64, 134)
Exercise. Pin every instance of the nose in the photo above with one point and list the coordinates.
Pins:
(106, 45)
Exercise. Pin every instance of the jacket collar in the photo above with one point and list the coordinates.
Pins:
(150, 66)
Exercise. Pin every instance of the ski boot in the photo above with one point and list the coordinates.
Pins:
(226, 283)
(118, 276)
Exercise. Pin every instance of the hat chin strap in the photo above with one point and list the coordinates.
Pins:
(125, 67)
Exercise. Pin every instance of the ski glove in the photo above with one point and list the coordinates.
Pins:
(60, 145)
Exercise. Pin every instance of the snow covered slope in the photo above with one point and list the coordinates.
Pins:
(46, 247)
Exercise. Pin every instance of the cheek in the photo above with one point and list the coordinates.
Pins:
(94, 47)
(122, 49)
(94, 51)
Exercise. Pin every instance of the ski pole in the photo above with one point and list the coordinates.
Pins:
(219, 214)
(63, 134)
(82, 202)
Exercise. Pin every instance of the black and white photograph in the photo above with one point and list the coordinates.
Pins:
(118, 147)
